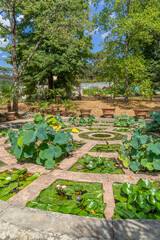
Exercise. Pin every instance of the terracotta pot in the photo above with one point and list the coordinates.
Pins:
(10, 116)
(108, 112)
(85, 112)
(141, 113)
(2, 119)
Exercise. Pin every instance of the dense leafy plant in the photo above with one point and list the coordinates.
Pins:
(40, 143)
(3, 132)
(12, 181)
(154, 126)
(82, 121)
(140, 201)
(141, 152)
(97, 165)
(55, 121)
(83, 199)
(106, 148)
(125, 121)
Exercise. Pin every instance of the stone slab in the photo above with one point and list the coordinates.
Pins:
(74, 226)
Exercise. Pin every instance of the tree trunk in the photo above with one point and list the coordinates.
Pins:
(14, 58)
(127, 53)
(50, 81)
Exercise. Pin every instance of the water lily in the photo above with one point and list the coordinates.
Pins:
(79, 167)
(64, 187)
(78, 198)
(8, 178)
(58, 186)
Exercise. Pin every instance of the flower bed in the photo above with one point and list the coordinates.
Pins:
(122, 130)
(117, 136)
(140, 201)
(106, 148)
(83, 199)
(91, 164)
(12, 181)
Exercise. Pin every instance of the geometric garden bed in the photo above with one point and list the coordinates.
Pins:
(68, 172)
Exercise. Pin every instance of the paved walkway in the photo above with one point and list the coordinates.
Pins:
(33, 222)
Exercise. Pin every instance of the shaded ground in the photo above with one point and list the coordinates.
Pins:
(97, 105)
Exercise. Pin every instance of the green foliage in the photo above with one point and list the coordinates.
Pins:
(95, 90)
(128, 27)
(12, 181)
(54, 146)
(140, 201)
(83, 199)
(55, 121)
(7, 90)
(3, 133)
(141, 152)
(154, 126)
(106, 148)
(91, 164)
(82, 121)
(125, 121)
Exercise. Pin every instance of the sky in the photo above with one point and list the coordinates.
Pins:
(97, 37)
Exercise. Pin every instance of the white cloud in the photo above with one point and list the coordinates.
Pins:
(5, 22)
(3, 42)
(104, 35)
(95, 31)
(4, 56)
(20, 17)
(102, 3)
(90, 2)
(0, 52)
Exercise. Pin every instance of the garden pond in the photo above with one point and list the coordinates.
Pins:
(13, 180)
(100, 165)
(70, 197)
(106, 148)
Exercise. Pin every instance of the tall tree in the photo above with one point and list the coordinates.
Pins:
(57, 20)
(128, 24)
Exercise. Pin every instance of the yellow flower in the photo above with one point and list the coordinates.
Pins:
(74, 130)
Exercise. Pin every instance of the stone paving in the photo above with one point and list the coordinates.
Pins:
(49, 176)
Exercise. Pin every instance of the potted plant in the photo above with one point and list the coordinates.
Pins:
(7, 90)
(85, 112)
(108, 112)
(141, 113)
(2, 117)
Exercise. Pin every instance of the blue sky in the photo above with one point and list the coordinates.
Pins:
(97, 36)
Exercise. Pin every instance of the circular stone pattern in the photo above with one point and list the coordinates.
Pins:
(101, 136)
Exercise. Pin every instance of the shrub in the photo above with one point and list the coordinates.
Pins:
(140, 201)
(39, 142)
(141, 152)
(124, 121)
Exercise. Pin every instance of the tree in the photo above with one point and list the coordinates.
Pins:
(128, 25)
(57, 20)
(65, 61)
